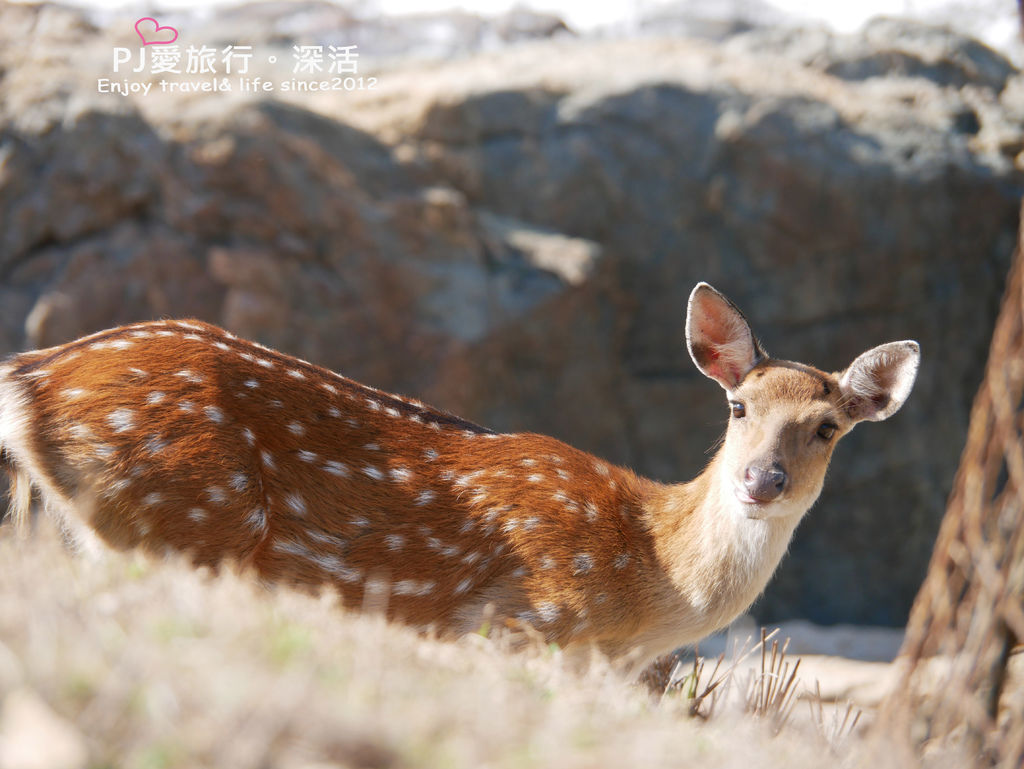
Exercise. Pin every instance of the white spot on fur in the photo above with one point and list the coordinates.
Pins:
(329, 387)
(430, 455)
(582, 563)
(73, 393)
(601, 468)
(528, 462)
(563, 474)
(547, 562)
(197, 514)
(372, 447)
(186, 406)
(214, 414)
(535, 478)
(510, 525)
(217, 495)
(249, 437)
(252, 384)
(155, 397)
(267, 459)
(265, 363)
(394, 541)
(621, 561)
(296, 428)
(294, 373)
(336, 468)
(413, 587)
(373, 472)
(190, 376)
(401, 474)
(463, 586)
(295, 503)
(257, 519)
(548, 611)
(239, 481)
(392, 412)
(491, 515)
(116, 487)
(121, 420)
(221, 346)
(307, 456)
(153, 498)
(156, 443)
(591, 512)
(467, 479)
(113, 344)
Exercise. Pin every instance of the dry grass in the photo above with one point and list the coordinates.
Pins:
(771, 695)
(152, 665)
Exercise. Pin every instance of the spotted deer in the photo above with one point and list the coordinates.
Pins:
(178, 436)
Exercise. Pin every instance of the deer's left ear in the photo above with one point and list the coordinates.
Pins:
(878, 382)
(719, 338)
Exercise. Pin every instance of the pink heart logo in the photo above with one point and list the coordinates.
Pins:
(153, 34)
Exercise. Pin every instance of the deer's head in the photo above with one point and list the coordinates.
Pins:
(786, 418)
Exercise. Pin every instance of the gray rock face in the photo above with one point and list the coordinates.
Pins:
(888, 47)
(513, 237)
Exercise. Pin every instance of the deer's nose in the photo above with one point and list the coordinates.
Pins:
(765, 483)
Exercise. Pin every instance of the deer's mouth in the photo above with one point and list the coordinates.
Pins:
(752, 506)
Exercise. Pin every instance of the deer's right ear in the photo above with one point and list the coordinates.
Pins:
(877, 383)
(719, 338)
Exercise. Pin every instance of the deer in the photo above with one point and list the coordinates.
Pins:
(176, 436)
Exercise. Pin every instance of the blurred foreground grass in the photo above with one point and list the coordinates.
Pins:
(127, 662)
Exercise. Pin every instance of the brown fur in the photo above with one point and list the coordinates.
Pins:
(177, 436)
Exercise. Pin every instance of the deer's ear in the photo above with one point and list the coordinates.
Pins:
(719, 338)
(878, 382)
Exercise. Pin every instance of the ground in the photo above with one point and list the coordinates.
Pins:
(124, 661)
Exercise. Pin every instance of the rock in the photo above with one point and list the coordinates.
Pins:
(522, 23)
(825, 210)
(888, 47)
(863, 643)
(436, 34)
(513, 236)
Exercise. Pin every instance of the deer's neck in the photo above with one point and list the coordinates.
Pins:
(718, 559)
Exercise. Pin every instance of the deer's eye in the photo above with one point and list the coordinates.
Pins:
(738, 409)
(826, 430)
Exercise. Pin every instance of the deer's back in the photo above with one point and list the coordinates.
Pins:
(180, 436)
